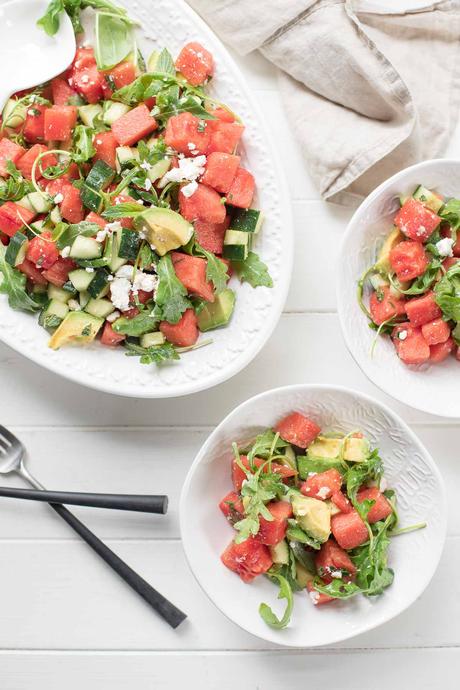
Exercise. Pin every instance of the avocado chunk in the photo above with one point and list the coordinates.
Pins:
(217, 313)
(303, 576)
(76, 328)
(165, 229)
(355, 449)
(313, 516)
(382, 265)
(280, 552)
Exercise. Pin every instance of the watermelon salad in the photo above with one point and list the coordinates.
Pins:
(125, 206)
(415, 282)
(310, 512)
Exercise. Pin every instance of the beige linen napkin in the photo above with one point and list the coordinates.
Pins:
(368, 91)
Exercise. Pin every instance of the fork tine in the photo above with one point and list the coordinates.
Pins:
(8, 437)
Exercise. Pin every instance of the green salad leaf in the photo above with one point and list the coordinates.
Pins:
(309, 463)
(64, 234)
(285, 592)
(216, 270)
(171, 295)
(450, 212)
(371, 470)
(137, 326)
(128, 209)
(50, 21)
(447, 294)
(83, 148)
(423, 283)
(253, 271)
(165, 63)
(115, 39)
(15, 187)
(13, 284)
(296, 533)
(157, 354)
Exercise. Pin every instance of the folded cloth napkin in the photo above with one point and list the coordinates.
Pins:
(368, 90)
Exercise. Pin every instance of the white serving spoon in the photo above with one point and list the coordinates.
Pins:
(28, 55)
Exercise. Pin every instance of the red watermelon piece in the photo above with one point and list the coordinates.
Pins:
(416, 221)
(322, 485)
(31, 271)
(96, 218)
(205, 204)
(9, 151)
(248, 559)
(298, 429)
(439, 352)
(408, 259)
(241, 191)
(238, 475)
(381, 508)
(58, 274)
(318, 598)
(186, 133)
(195, 63)
(26, 162)
(121, 75)
(383, 306)
(224, 136)
(89, 82)
(42, 251)
(84, 57)
(231, 504)
(184, 333)
(211, 235)
(341, 502)
(349, 529)
(435, 332)
(13, 217)
(34, 126)
(71, 206)
(410, 344)
(59, 122)
(109, 337)
(332, 558)
(191, 271)
(134, 125)
(105, 145)
(423, 309)
(271, 532)
(220, 171)
(61, 91)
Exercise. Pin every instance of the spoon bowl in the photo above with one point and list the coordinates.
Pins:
(30, 55)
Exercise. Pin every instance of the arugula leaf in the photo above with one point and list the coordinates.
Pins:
(447, 294)
(216, 270)
(308, 463)
(425, 281)
(253, 271)
(360, 473)
(450, 212)
(337, 588)
(373, 574)
(171, 295)
(169, 104)
(152, 355)
(114, 40)
(83, 148)
(15, 186)
(50, 20)
(13, 284)
(146, 257)
(64, 235)
(137, 326)
(297, 534)
(264, 445)
(285, 592)
(126, 210)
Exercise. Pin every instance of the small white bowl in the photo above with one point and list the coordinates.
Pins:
(431, 388)
(409, 469)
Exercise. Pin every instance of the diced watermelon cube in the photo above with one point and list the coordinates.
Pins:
(72, 173)
(31, 271)
(423, 309)
(61, 91)
(59, 122)
(436, 332)
(191, 271)
(58, 274)
(134, 125)
(105, 145)
(184, 333)
(439, 352)
(211, 235)
(231, 505)
(383, 306)
(341, 502)
(381, 508)
(88, 82)
(298, 429)
(34, 126)
(96, 218)
(349, 529)
(71, 206)
(220, 171)
(450, 261)
(109, 337)
(410, 344)
(318, 598)
(322, 485)
(9, 151)
(57, 186)
(42, 251)
(224, 136)
(195, 63)
(271, 532)
(408, 260)
(186, 133)
(84, 57)
(238, 475)
(248, 559)
(204, 204)
(221, 113)
(416, 221)
(13, 217)
(121, 75)
(26, 162)
(241, 191)
(331, 559)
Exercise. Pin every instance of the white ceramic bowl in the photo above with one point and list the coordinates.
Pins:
(431, 388)
(409, 469)
(257, 311)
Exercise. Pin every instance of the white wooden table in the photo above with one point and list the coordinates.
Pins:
(67, 622)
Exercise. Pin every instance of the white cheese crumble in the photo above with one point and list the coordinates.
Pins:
(89, 269)
(314, 596)
(144, 281)
(336, 573)
(323, 492)
(120, 291)
(444, 246)
(148, 185)
(124, 284)
(402, 335)
(85, 79)
(189, 189)
(58, 198)
(113, 316)
(191, 146)
(145, 166)
(188, 171)
(125, 271)
(65, 252)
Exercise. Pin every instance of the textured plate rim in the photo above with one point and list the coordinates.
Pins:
(293, 388)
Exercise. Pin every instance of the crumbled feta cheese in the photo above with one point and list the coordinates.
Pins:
(145, 166)
(421, 230)
(58, 198)
(336, 573)
(189, 170)
(98, 142)
(85, 79)
(74, 305)
(89, 269)
(142, 234)
(113, 316)
(144, 281)
(314, 596)
(32, 113)
(312, 474)
(101, 235)
(189, 189)
(113, 227)
(191, 146)
(120, 290)
(65, 252)
(148, 185)
(323, 492)
(444, 246)
(402, 335)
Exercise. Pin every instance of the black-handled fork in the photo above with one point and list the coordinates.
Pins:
(139, 503)
(12, 454)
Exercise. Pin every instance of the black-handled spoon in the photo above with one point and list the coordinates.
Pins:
(136, 502)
